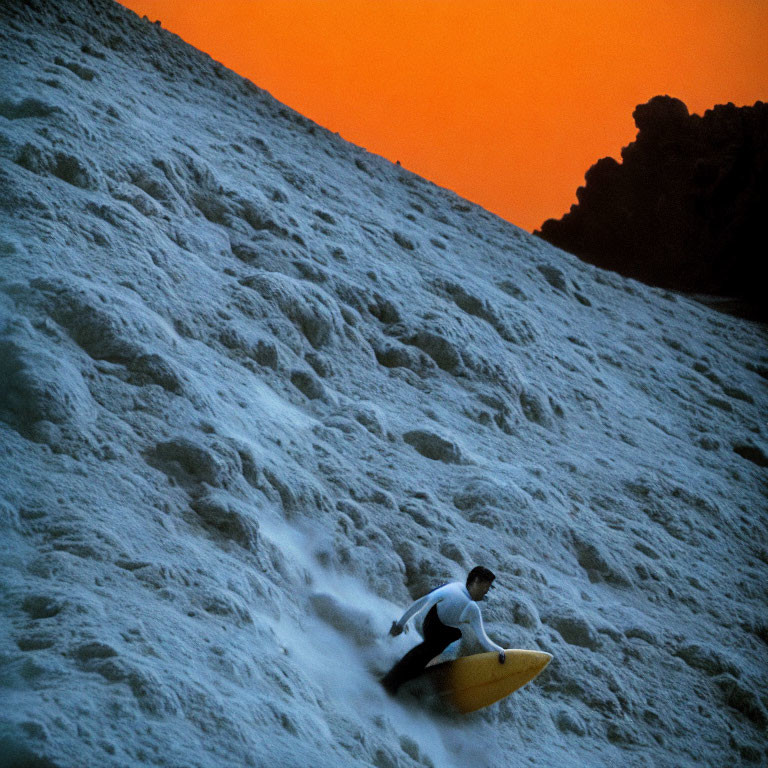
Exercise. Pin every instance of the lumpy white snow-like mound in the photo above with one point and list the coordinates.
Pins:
(259, 389)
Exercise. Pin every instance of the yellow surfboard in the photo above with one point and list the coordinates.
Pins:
(474, 682)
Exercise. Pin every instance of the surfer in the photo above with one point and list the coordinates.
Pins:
(451, 607)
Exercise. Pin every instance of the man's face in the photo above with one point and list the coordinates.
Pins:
(478, 589)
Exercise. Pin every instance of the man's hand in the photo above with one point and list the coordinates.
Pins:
(396, 629)
(502, 657)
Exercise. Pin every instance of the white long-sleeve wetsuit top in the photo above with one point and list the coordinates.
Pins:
(455, 608)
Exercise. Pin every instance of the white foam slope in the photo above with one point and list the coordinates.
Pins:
(260, 388)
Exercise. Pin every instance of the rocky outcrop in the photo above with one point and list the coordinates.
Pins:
(683, 209)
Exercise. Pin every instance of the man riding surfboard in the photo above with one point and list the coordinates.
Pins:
(451, 608)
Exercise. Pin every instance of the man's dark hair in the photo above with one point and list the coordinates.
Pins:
(481, 574)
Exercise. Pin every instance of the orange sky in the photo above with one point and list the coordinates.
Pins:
(507, 102)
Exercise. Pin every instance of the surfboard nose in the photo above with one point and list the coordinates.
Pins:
(540, 659)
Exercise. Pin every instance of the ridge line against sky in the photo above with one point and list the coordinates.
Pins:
(507, 102)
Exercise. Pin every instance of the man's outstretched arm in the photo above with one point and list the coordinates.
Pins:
(400, 625)
(476, 622)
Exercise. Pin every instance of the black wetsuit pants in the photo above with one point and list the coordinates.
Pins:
(437, 637)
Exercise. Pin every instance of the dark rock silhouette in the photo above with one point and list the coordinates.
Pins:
(686, 207)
